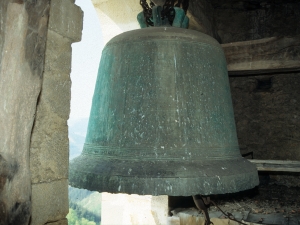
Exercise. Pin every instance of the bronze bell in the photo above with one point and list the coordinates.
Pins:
(162, 120)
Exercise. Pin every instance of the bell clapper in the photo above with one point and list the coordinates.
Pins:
(203, 204)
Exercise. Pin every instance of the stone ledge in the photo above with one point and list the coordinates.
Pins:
(66, 19)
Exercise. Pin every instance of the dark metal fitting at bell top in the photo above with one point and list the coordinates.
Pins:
(180, 19)
(162, 120)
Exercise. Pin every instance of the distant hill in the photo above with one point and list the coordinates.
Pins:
(86, 203)
(77, 133)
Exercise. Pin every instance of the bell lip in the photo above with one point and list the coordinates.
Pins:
(242, 175)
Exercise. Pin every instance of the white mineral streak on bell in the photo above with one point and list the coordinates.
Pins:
(156, 154)
(206, 184)
(129, 171)
(119, 188)
(175, 61)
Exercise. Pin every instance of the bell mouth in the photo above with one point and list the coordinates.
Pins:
(162, 177)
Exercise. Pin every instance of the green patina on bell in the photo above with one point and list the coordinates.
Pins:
(162, 120)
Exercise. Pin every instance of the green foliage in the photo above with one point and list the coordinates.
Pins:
(84, 213)
(85, 207)
(74, 219)
(87, 222)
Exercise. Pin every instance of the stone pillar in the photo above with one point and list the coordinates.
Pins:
(23, 32)
(49, 150)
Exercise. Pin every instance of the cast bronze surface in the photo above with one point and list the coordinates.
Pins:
(162, 120)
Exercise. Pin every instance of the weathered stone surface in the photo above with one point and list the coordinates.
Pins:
(290, 180)
(3, 11)
(51, 200)
(49, 150)
(151, 209)
(59, 55)
(276, 54)
(37, 34)
(49, 155)
(66, 19)
(60, 222)
(267, 115)
(249, 20)
(49, 145)
(20, 86)
(201, 15)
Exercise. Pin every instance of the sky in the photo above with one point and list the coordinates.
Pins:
(85, 61)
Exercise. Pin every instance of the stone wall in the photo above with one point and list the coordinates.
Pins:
(35, 60)
(266, 107)
(267, 114)
(238, 20)
(201, 15)
(49, 150)
(23, 37)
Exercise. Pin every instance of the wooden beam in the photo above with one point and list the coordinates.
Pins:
(276, 165)
(263, 56)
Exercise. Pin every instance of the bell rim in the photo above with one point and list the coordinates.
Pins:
(84, 173)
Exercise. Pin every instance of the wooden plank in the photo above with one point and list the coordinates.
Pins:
(276, 165)
(263, 56)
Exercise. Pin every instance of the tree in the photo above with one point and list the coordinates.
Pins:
(87, 222)
(72, 217)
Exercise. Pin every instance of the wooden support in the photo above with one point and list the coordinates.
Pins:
(276, 165)
(263, 56)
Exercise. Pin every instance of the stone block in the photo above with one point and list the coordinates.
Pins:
(49, 152)
(49, 202)
(134, 209)
(60, 222)
(56, 95)
(66, 19)
(50, 155)
(58, 54)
